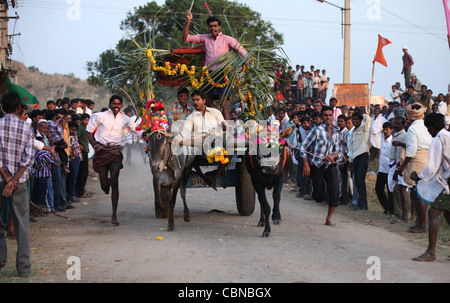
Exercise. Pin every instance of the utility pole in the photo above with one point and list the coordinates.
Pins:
(346, 24)
(5, 45)
(4, 49)
(347, 31)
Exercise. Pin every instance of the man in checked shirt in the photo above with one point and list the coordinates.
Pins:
(16, 156)
(322, 167)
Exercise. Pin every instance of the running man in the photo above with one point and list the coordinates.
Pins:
(105, 134)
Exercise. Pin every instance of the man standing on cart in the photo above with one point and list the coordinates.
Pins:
(216, 44)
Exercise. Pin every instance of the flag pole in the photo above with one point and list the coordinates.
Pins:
(371, 86)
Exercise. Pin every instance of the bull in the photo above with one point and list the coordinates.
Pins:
(267, 172)
(169, 176)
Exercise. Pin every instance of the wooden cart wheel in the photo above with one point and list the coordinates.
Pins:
(245, 193)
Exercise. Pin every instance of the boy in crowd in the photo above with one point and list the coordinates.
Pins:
(74, 162)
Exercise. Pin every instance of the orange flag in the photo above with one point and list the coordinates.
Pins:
(379, 57)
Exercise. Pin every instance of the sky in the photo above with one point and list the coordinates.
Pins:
(60, 36)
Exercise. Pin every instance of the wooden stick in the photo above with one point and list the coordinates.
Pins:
(371, 85)
(41, 210)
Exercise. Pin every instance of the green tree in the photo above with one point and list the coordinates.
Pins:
(167, 22)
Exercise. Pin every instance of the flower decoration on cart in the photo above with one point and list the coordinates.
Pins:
(217, 154)
(154, 117)
(245, 80)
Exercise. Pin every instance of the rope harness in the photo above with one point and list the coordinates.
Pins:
(323, 158)
(159, 135)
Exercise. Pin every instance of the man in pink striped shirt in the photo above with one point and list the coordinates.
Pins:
(216, 44)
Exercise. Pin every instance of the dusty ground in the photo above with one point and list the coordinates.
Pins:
(219, 246)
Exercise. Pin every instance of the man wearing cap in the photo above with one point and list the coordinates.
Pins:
(408, 62)
(418, 141)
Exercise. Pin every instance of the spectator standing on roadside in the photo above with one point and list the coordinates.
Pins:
(83, 171)
(360, 156)
(418, 141)
(343, 168)
(438, 168)
(376, 133)
(75, 158)
(16, 156)
(387, 202)
(397, 156)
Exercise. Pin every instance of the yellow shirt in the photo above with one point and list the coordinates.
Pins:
(66, 135)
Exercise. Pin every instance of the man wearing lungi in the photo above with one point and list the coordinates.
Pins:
(105, 134)
(438, 168)
(418, 141)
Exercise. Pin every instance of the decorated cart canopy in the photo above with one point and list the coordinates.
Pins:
(246, 80)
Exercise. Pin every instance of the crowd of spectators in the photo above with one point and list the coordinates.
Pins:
(58, 175)
(381, 133)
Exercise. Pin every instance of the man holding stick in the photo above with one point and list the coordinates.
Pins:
(216, 44)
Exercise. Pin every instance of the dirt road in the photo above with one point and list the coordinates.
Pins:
(218, 246)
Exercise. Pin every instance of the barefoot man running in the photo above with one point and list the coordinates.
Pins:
(105, 133)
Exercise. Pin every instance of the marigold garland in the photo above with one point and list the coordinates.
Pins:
(182, 69)
(250, 103)
(217, 155)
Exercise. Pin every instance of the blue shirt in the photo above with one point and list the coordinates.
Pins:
(323, 145)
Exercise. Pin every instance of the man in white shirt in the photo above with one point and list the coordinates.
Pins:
(294, 86)
(359, 156)
(203, 121)
(442, 105)
(396, 94)
(104, 132)
(438, 168)
(418, 141)
(376, 133)
(387, 202)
